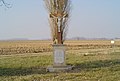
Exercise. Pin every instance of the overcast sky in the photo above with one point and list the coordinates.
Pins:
(89, 18)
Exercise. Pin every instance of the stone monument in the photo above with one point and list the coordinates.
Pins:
(58, 17)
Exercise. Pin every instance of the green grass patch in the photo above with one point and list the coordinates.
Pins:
(32, 67)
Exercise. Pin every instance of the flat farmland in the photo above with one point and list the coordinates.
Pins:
(19, 47)
(92, 60)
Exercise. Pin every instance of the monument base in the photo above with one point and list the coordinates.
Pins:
(58, 68)
(59, 59)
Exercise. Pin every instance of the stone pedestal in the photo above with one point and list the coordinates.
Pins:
(59, 59)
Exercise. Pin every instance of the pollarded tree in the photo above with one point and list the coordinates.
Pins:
(59, 11)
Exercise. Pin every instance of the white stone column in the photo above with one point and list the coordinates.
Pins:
(59, 63)
(59, 55)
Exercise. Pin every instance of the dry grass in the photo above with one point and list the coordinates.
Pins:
(93, 60)
(32, 67)
(20, 47)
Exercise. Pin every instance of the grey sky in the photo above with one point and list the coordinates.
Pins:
(89, 18)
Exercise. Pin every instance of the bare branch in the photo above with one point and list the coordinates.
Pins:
(5, 4)
(59, 11)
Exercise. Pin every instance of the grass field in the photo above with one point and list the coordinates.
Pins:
(92, 61)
